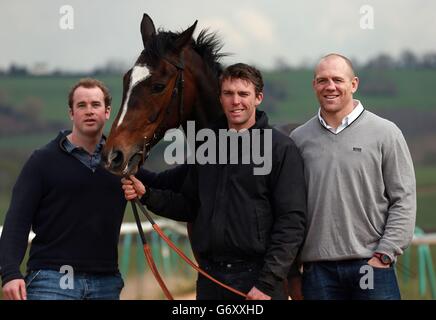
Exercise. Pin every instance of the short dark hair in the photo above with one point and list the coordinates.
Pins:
(245, 72)
(89, 83)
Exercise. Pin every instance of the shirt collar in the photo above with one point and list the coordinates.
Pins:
(347, 120)
(70, 147)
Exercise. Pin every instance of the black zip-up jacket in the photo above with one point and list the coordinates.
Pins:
(241, 215)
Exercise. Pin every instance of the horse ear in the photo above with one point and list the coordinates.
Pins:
(185, 37)
(147, 28)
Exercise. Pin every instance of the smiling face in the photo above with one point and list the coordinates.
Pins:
(334, 84)
(239, 101)
(88, 112)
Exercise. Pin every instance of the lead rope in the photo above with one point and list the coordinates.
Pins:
(176, 249)
(149, 256)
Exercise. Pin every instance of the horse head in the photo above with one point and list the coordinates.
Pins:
(174, 79)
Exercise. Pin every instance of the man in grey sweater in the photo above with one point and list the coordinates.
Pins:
(361, 192)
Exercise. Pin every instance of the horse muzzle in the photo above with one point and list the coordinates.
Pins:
(122, 163)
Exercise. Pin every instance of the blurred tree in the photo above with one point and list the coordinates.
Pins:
(16, 70)
(429, 60)
(281, 64)
(382, 61)
(408, 60)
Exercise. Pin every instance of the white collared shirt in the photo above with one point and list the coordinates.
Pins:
(353, 115)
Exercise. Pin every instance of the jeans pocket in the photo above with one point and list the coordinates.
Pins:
(31, 276)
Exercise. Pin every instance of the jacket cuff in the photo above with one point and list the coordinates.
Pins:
(267, 284)
(145, 196)
(9, 276)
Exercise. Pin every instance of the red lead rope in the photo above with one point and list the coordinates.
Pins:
(174, 247)
(149, 256)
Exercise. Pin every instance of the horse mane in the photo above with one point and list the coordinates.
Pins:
(208, 46)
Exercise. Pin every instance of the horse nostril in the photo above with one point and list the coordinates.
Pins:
(116, 159)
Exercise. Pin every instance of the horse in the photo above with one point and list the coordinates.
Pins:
(175, 79)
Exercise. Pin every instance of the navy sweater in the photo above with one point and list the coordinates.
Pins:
(75, 213)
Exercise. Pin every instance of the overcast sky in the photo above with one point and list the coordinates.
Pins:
(255, 31)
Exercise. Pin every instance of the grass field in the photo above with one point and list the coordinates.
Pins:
(413, 88)
(52, 92)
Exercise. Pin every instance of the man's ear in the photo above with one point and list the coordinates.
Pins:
(70, 113)
(355, 84)
(259, 98)
(108, 112)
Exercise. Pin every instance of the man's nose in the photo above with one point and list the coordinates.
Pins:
(89, 110)
(236, 99)
(331, 85)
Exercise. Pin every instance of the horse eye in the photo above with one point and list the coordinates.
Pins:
(157, 87)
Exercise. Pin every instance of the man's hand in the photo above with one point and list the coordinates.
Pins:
(376, 263)
(256, 294)
(15, 290)
(133, 188)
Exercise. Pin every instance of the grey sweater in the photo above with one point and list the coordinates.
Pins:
(361, 189)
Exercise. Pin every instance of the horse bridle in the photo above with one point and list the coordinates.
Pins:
(178, 90)
(180, 83)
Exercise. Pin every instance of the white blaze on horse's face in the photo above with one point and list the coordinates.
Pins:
(139, 73)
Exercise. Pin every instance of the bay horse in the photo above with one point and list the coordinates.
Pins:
(175, 79)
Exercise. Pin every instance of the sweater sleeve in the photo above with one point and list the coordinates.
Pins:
(400, 185)
(26, 196)
(180, 206)
(288, 229)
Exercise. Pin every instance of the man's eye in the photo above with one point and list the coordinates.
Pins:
(157, 87)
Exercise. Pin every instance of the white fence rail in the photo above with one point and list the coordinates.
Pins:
(130, 227)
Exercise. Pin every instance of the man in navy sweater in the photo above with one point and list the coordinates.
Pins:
(74, 207)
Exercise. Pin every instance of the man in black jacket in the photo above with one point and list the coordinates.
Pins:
(247, 227)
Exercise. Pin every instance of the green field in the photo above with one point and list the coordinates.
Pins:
(414, 88)
(289, 98)
(52, 92)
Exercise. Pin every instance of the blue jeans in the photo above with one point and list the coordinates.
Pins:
(49, 285)
(241, 276)
(349, 280)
